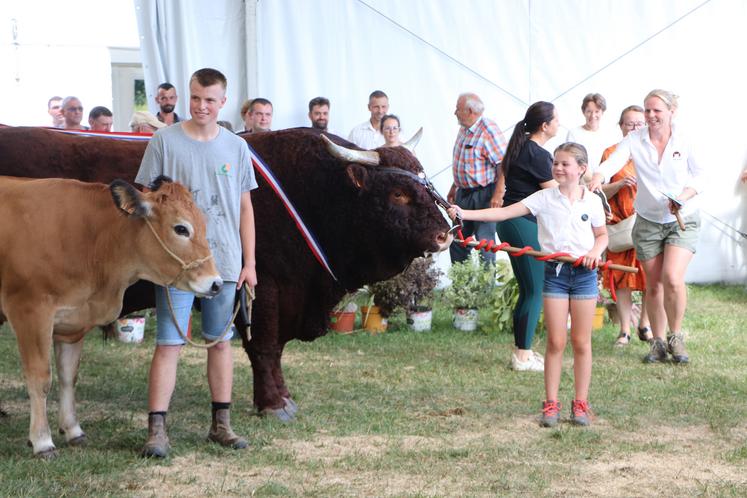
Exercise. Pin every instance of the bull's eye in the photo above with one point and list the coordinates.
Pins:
(399, 197)
(181, 230)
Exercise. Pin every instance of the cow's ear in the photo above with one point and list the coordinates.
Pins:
(129, 200)
(156, 184)
(358, 175)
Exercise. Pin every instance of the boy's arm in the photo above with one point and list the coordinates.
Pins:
(248, 241)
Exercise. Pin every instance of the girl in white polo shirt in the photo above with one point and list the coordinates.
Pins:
(570, 220)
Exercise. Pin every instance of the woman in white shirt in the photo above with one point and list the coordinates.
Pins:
(665, 166)
(591, 134)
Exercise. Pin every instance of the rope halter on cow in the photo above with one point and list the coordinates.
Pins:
(191, 266)
(185, 266)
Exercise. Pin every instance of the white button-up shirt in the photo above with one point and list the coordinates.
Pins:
(678, 169)
(366, 137)
(564, 226)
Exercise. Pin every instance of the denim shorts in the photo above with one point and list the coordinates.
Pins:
(216, 312)
(570, 282)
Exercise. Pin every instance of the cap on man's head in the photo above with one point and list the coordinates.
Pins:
(144, 117)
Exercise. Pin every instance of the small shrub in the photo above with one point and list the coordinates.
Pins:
(471, 283)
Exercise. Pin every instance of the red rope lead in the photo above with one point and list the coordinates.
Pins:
(488, 245)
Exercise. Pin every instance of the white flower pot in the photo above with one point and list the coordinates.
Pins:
(465, 319)
(420, 321)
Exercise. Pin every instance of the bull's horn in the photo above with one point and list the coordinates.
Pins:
(370, 157)
(413, 142)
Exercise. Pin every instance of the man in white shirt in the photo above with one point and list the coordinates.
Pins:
(367, 135)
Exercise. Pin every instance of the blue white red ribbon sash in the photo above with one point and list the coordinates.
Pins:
(259, 165)
(274, 183)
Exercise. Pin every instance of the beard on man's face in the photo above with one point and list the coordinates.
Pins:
(167, 109)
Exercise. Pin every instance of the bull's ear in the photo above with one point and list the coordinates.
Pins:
(129, 200)
(358, 175)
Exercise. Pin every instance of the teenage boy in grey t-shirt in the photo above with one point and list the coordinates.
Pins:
(216, 166)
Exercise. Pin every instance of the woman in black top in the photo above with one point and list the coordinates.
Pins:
(527, 168)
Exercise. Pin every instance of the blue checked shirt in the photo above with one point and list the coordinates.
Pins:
(478, 151)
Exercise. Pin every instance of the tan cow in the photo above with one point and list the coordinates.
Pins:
(68, 250)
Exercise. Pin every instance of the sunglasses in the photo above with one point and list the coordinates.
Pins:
(74, 109)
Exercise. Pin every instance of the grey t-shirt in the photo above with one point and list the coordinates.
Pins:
(217, 173)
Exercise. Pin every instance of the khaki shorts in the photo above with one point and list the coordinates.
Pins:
(649, 238)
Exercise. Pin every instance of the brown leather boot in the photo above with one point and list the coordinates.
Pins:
(157, 444)
(221, 432)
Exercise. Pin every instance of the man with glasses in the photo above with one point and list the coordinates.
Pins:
(72, 112)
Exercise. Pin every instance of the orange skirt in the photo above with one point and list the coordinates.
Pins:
(625, 280)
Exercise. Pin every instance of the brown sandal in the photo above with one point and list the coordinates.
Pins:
(644, 334)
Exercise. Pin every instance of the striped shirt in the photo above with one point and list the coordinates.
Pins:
(478, 151)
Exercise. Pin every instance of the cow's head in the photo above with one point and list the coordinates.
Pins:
(174, 244)
(398, 211)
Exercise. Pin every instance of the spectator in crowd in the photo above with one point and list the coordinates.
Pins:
(319, 113)
(367, 135)
(743, 176)
(591, 134)
(226, 124)
(257, 115)
(621, 193)
(166, 99)
(72, 111)
(478, 152)
(192, 152)
(54, 109)
(666, 168)
(527, 168)
(145, 122)
(100, 119)
(390, 128)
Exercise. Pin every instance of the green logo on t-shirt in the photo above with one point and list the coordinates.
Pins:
(223, 169)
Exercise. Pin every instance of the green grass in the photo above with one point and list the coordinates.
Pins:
(408, 414)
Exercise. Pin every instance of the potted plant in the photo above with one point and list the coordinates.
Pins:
(422, 276)
(471, 284)
(388, 296)
(342, 316)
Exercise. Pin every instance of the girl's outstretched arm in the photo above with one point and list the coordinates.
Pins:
(489, 214)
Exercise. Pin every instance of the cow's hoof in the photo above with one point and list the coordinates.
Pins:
(46, 454)
(279, 413)
(81, 440)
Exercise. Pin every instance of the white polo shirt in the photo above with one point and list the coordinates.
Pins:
(678, 169)
(366, 137)
(566, 227)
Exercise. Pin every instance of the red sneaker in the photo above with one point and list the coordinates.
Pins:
(581, 412)
(550, 413)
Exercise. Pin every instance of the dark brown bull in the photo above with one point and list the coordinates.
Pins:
(369, 222)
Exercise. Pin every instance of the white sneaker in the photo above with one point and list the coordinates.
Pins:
(535, 363)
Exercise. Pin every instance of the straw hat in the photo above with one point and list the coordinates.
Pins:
(145, 118)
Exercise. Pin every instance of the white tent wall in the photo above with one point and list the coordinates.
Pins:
(512, 53)
(51, 48)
